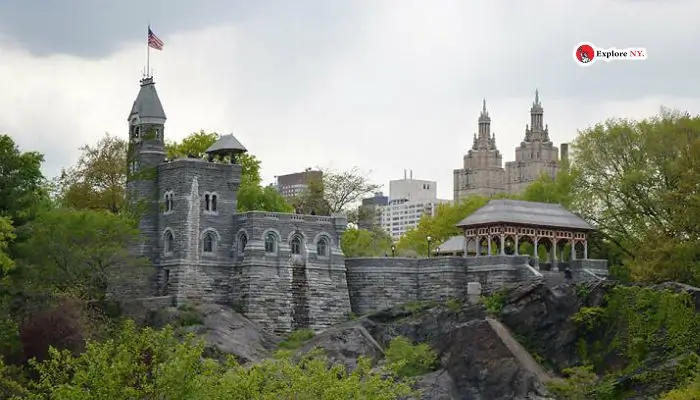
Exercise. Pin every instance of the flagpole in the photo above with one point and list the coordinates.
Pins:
(148, 53)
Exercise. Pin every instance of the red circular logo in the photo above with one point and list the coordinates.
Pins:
(585, 53)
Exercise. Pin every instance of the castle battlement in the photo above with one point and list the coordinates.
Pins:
(314, 219)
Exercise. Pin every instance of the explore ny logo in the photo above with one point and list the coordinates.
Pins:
(585, 54)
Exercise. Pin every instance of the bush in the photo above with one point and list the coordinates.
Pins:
(156, 364)
(408, 360)
(296, 339)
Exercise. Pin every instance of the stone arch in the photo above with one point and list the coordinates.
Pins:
(168, 237)
(297, 243)
(271, 238)
(241, 241)
(210, 239)
(323, 243)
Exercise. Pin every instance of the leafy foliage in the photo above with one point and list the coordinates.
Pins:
(150, 364)
(365, 243)
(296, 339)
(440, 227)
(636, 180)
(21, 181)
(251, 195)
(98, 181)
(409, 360)
(75, 251)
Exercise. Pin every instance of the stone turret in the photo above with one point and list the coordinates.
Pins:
(146, 151)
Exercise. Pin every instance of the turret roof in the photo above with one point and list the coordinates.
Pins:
(227, 143)
(147, 103)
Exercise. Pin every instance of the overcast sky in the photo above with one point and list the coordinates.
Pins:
(385, 85)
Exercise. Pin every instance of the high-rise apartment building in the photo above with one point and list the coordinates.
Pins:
(293, 185)
(409, 200)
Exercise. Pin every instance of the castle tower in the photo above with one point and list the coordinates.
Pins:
(146, 151)
(482, 172)
(536, 154)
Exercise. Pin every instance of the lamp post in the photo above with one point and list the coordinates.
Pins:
(430, 239)
(393, 250)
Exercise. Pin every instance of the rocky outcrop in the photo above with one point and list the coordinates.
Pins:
(540, 314)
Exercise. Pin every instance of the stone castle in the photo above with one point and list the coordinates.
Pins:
(483, 174)
(287, 271)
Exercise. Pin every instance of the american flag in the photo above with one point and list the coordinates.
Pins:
(153, 41)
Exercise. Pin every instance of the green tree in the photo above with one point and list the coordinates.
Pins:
(637, 182)
(365, 243)
(251, 195)
(22, 185)
(76, 251)
(313, 200)
(7, 235)
(157, 364)
(343, 188)
(98, 180)
(439, 227)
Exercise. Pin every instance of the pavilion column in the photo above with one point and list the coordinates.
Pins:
(553, 253)
(489, 245)
(537, 253)
(585, 249)
(477, 247)
(573, 249)
(517, 244)
(503, 245)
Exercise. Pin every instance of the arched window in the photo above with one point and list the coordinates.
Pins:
(168, 242)
(242, 242)
(171, 202)
(322, 247)
(296, 245)
(209, 242)
(270, 243)
(206, 202)
(213, 202)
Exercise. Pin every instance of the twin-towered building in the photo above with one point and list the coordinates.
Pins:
(483, 174)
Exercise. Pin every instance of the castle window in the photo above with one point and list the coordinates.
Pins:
(209, 242)
(270, 243)
(169, 203)
(242, 242)
(206, 202)
(168, 242)
(322, 247)
(296, 245)
(213, 203)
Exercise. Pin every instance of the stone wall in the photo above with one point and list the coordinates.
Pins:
(378, 283)
(283, 291)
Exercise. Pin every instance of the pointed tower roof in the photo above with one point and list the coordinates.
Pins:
(536, 105)
(484, 117)
(147, 105)
(227, 144)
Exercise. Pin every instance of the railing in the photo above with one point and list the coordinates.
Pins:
(284, 217)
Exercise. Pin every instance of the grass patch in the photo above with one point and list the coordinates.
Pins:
(296, 339)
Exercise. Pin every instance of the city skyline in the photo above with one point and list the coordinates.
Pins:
(362, 84)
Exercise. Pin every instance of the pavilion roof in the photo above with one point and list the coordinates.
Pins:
(528, 213)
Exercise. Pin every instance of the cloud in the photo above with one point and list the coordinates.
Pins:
(384, 85)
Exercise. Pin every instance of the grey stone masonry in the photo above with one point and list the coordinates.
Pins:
(283, 287)
(379, 283)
